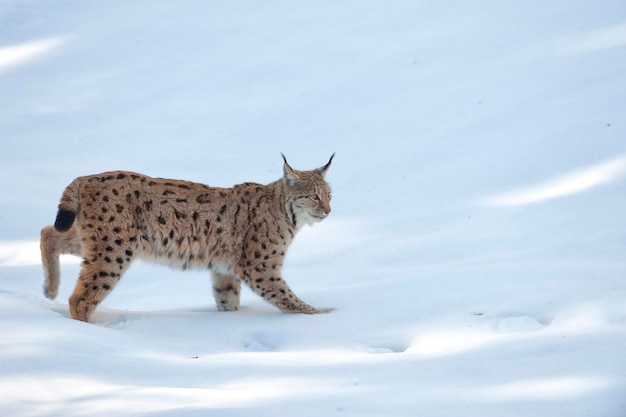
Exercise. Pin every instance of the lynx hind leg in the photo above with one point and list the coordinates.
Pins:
(102, 268)
(95, 281)
(53, 244)
(227, 291)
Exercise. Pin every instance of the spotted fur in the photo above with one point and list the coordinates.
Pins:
(240, 233)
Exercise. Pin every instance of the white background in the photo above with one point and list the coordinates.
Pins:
(475, 253)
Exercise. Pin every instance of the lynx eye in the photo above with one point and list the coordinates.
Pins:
(315, 197)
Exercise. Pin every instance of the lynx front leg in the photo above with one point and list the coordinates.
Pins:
(276, 292)
(227, 291)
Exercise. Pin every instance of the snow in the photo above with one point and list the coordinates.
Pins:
(475, 252)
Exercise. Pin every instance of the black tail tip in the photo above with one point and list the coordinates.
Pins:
(65, 219)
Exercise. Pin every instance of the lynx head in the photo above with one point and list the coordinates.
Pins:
(308, 194)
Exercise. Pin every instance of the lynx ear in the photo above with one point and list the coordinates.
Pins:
(324, 169)
(289, 175)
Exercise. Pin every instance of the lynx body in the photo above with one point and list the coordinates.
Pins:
(240, 233)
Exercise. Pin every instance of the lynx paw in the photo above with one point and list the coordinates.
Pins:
(50, 293)
(308, 310)
(323, 310)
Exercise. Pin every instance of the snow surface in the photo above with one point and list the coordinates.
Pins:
(475, 253)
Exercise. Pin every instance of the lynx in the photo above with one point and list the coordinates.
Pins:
(239, 234)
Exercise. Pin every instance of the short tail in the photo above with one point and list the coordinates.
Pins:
(68, 207)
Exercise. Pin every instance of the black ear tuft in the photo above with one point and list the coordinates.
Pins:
(290, 176)
(323, 170)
